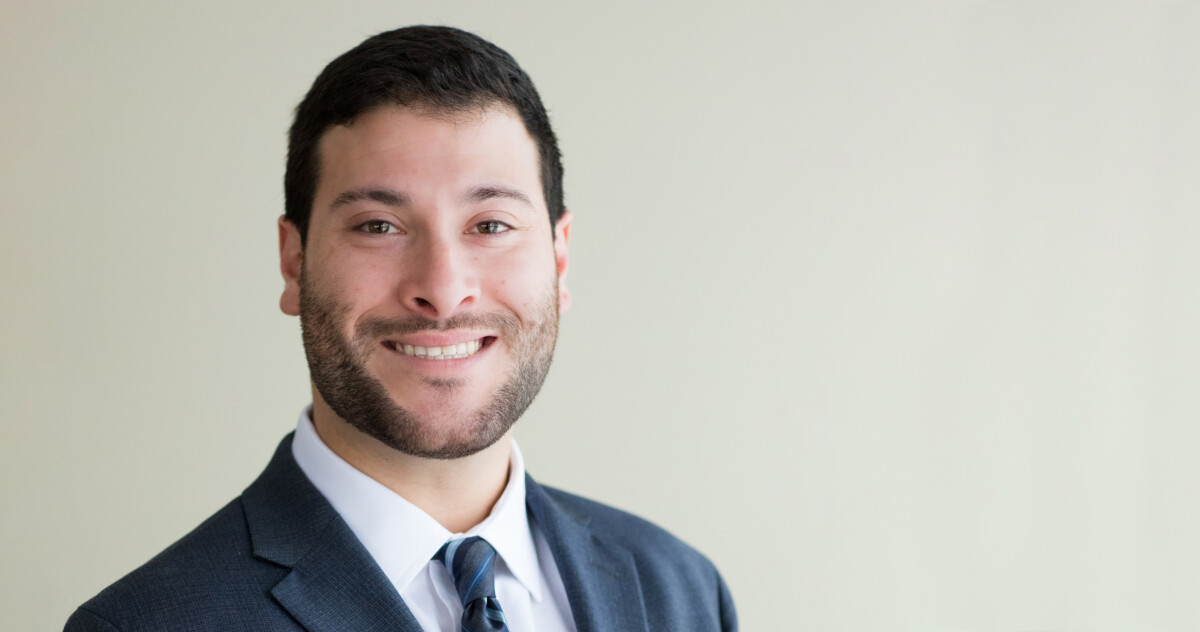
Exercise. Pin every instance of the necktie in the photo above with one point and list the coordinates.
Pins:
(470, 562)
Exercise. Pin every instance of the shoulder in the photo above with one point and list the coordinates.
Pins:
(675, 581)
(188, 585)
(619, 526)
(220, 576)
(660, 557)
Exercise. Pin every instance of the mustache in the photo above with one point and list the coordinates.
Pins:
(373, 328)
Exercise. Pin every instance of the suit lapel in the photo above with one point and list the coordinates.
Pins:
(600, 577)
(335, 588)
(334, 584)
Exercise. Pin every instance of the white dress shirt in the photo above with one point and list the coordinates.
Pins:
(403, 540)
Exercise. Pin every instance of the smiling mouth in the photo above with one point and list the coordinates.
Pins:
(447, 352)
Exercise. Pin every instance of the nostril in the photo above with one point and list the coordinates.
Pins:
(423, 303)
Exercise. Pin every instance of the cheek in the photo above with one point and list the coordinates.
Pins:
(354, 281)
(521, 282)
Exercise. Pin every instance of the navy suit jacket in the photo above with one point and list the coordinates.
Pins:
(281, 558)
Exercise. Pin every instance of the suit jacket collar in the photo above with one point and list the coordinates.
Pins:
(601, 577)
(334, 584)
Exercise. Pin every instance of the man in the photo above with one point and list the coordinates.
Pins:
(424, 247)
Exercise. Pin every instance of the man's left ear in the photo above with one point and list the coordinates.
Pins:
(562, 234)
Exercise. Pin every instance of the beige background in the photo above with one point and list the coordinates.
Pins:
(889, 308)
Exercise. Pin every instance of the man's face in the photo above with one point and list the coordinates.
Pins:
(431, 283)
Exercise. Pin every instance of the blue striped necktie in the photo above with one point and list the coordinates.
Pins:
(470, 561)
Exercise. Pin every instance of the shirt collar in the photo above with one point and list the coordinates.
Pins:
(508, 530)
(400, 536)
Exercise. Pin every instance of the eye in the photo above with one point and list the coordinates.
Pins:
(377, 227)
(492, 227)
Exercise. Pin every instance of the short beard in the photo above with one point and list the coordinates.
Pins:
(338, 370)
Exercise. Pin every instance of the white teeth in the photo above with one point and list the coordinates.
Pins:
(447, 352)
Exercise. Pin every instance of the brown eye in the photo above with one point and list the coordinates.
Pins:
(376, 227)
(492, 227)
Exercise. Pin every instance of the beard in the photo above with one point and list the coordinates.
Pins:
(337, 366)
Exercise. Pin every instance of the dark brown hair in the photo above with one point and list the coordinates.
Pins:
(436, 67)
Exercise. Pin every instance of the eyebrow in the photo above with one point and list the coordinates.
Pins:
(489, 192)
(392, 197)
(387, 197)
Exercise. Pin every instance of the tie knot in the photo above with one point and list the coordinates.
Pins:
(470, 561)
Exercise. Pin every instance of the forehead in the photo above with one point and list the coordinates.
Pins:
(427, 153)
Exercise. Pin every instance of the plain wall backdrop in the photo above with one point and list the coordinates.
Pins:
(890, 308)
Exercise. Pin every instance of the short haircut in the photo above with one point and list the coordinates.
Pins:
(439, 68)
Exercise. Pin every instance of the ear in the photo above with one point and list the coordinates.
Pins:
(291, 261)
(562, 234)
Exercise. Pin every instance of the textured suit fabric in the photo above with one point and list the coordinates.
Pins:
(279, 557)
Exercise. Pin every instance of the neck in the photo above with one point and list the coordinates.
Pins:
(458, 493)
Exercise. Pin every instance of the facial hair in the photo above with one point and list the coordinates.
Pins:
(338, 370)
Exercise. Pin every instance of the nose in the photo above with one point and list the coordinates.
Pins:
(438, 278)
